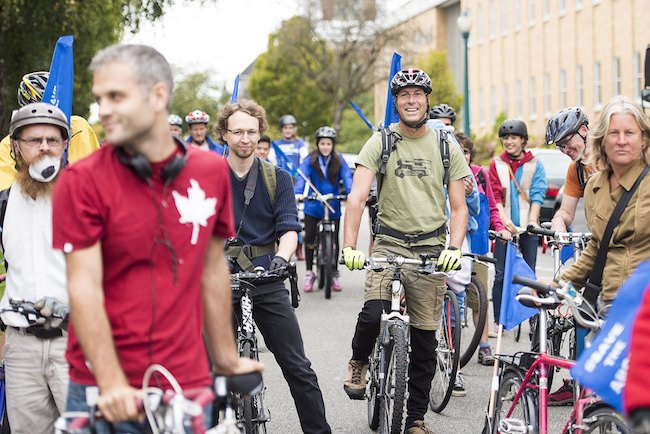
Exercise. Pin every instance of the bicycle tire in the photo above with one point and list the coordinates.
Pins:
(251, 411)
(509, 383)
(392, 402)
(327, 267)
(468, 346)
(601, 418)
(373, 390)
(447, 354)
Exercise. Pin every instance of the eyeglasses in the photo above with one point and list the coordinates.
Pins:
(34, 142)
(418, 94)
(240, 133)
(563, 144)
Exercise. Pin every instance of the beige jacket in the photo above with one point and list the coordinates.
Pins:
(630, 242)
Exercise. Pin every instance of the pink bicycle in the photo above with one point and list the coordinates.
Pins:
(519, 403)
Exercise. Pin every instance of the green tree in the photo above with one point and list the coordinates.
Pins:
(444, 88)
(29, 30)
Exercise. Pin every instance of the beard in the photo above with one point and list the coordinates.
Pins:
(29, 185)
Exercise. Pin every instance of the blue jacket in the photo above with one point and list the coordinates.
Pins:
(214, 147)
(314, 208)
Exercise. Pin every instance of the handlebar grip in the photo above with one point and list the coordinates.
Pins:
(545, 289)
(540, 231)
(484, 258)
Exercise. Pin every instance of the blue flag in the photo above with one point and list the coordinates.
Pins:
(361, 115)
(283, 161)
(514, 313)
(235, 91)
(567, 251)
(58, 90)
(603, 366)
(391, 114)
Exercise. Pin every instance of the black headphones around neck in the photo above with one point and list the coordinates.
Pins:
(141, 167)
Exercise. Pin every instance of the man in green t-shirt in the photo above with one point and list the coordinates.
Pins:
(412, 219)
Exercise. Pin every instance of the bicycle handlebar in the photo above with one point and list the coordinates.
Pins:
(260, 274)
(325, 197)
(540, 231)
(567, 293)
(26, 309)
(560, 237)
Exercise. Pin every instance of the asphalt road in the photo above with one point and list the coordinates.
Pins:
(327, 327)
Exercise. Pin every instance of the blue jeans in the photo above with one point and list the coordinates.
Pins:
(528, 248)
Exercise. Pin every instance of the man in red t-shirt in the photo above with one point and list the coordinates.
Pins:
(142, 223)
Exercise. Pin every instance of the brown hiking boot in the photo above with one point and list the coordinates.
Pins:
(355, 383)
(419, 427)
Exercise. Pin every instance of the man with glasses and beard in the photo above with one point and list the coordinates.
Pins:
(36, 371)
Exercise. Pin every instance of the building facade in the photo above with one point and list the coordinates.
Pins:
(530, 58)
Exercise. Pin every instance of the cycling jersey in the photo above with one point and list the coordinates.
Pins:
(83, 142)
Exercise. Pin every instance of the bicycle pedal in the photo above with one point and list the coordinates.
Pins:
(512, 426)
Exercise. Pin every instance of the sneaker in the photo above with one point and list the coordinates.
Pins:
(485, 356)
(336, 284)
(419, 427)
(459, 386)
(493, 331)
(310, 278)
(562, 396)
(355, 383)
(299, 254)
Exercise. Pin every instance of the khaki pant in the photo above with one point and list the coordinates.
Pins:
(36, 375)
(424, 294)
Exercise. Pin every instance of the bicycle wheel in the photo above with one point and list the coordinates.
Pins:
(447, 354)
(392, 400)
(373, 390)
(326, 263)
(254, 417)
(476, 304)
(604, 419)
(524, 411)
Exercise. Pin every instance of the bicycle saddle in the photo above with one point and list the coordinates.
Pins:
(244, 384)
(526, 297)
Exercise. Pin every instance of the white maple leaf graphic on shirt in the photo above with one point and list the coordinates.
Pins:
(196, 208)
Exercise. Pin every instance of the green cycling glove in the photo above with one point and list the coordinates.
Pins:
(354, 259)
(449, 259)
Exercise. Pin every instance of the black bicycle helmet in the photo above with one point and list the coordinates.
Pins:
(31, 87)
(513, 126)
(442, 111)
(287, 120)
(410, 77)
(326, 133)
(565, 123)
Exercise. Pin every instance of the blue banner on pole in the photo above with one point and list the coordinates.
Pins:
(603, 366)
(391, 114)
(58, 90)
(235, 91)
(283, 161)
(361, 115)
(512, 312)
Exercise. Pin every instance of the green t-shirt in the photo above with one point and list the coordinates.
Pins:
(412, 198)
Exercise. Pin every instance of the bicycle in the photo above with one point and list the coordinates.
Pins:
(252, 412)
(172, 411)
(325, 244)
(521, 401)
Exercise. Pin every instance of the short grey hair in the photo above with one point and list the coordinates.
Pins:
(147, 64)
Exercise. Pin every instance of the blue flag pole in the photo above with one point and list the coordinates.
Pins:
(512, 312)
(391, 114)
(235, 91)
(361, 115)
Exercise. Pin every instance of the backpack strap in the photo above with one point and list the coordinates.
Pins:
(582, 177)
(387, 144)
(480, 176)
(4, 199)
(270, 179)
(444, 154)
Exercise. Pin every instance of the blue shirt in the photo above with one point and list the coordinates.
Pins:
(315, 208)
(214, 146)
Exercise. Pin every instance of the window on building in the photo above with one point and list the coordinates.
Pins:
(506, 99)
(533, 98)
(546, 9)
(547, 93)
(618, 82)
(579, 87)
(638, 75)
(561, 7)
(517, 14)
(491, 19)
(493, 103)
(563, 92)
(578, 4)
(479, 23)
(481, 108)
(531, 12)
(518, 98)
(504, 16)
(598, 87)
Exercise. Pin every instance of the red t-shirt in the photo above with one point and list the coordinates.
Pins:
(153, 320)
